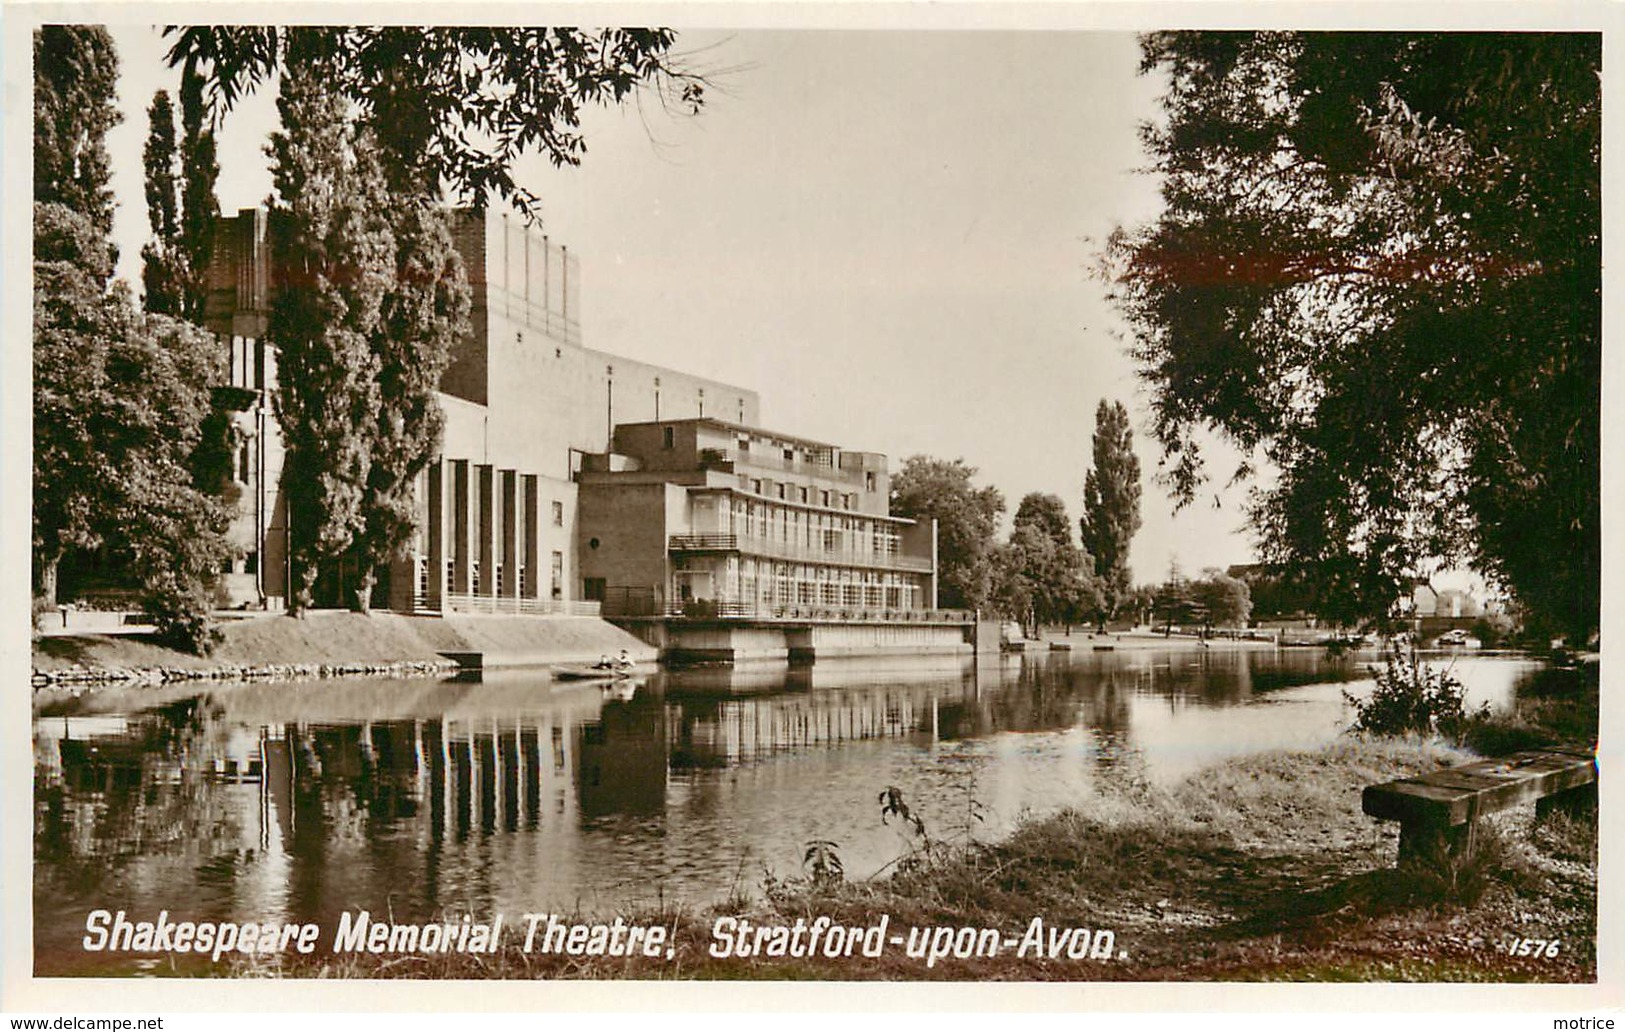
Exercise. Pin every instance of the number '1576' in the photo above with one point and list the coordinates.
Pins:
(1534, 947)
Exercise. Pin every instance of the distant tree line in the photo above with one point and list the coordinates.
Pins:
(1214, 600)
(1041, 574)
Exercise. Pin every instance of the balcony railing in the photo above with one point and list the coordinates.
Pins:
(488, 604)
(767, 460)
(725, 609)
(704, 543)
(794, 551)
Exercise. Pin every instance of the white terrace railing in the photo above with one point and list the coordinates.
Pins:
(496, 606)
(765, 612)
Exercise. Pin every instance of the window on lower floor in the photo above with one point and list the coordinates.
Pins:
(558, 574)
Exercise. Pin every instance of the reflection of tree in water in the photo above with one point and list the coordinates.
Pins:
(138, 797)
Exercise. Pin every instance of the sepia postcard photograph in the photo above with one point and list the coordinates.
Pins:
(900, 497)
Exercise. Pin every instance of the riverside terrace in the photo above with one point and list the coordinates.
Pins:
(719, 541)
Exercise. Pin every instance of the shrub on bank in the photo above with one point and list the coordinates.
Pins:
(1411, 697)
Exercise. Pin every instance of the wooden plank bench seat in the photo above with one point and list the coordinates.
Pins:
(1439, 811)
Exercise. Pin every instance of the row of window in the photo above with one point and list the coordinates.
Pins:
(802, 493)
(477, 585)
(774, 583)
(838, 536)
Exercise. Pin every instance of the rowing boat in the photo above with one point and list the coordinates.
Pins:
(591, 673)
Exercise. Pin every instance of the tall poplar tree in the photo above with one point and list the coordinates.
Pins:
(333, 254)
(199, 208)
(163, 269)
(424, 313)
(1111, 507)
(181, 205)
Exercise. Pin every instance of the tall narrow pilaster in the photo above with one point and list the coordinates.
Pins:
(532, 547)
(462, 504)
(507, 482)
(486, 547)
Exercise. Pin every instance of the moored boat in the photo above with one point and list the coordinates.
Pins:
(591, 673)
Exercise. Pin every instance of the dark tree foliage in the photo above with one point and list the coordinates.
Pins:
(1111, 508)
(1047, 513)
(163, 270)
(1061, 575)
(967, 523)
(333, 253)
(461, 102)
(119, 397)
(1379, 266)
(1223, 600)
(181, 205)
(75, 104)
(1274, 592)
(425, 312)
(200, 210)
(1026, 571)
(72, 394)
(171, 531)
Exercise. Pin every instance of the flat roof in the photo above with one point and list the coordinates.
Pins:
(740, 428)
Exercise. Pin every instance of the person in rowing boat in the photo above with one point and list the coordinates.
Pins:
(625, 662)
(604, 662)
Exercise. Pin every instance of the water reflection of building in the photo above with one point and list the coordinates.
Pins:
(450, 776)
(720, 733)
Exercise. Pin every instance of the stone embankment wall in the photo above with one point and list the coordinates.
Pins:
(91, 677)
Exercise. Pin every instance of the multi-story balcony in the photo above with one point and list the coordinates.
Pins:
(767, 460)
(797, 552)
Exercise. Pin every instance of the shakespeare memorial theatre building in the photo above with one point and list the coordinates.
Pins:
(523, 402)
(580, 482)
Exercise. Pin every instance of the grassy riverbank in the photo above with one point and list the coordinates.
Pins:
(1258, 869)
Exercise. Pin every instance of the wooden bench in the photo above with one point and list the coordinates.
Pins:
(1439, 811)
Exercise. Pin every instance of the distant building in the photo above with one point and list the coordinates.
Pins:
(1425, 602)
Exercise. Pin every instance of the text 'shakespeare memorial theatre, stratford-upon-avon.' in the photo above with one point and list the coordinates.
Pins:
(579, 482)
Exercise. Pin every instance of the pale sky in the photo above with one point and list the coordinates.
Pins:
(887, 234)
